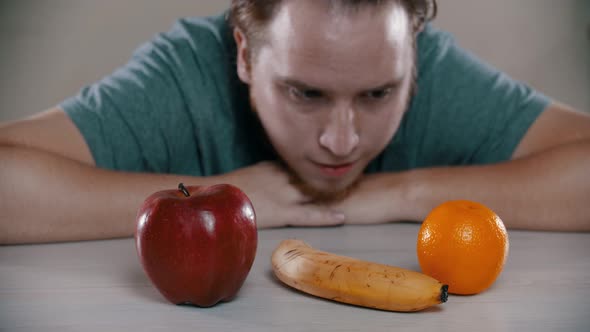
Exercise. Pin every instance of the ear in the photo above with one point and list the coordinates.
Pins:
(243, 63)
(418, 25)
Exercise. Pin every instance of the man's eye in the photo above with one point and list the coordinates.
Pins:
(378, 94)
(304, 94)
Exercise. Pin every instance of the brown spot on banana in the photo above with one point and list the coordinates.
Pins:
(354, 281)
(334, 271)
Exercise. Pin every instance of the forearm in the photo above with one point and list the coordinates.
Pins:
(546, 191)
(47, 198)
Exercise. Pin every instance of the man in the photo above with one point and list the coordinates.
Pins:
(361, 113)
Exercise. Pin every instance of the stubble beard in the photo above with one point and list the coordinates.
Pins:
(322, 196)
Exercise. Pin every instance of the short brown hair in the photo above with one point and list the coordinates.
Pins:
(251, 16)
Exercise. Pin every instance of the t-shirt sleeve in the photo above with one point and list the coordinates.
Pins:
(467, 111)
(135, 118)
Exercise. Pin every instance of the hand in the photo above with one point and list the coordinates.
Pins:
(374, 200)
(276, 201)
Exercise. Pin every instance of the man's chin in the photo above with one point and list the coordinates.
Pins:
(324, 195)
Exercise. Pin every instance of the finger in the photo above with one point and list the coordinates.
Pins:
(315, 216)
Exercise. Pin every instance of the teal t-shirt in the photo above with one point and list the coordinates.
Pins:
(178, 107)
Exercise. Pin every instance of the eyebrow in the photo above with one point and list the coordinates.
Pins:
(304, 86)
(297, 84)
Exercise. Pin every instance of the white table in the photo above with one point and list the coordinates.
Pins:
(100, 286)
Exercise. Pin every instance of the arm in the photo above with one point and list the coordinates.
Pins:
(545, 186)
(51, 191)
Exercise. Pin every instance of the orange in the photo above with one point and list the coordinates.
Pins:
(463, 244)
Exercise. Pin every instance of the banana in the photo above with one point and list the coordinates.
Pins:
(354, 281)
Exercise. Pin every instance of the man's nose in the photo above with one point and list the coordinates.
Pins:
(339, 135)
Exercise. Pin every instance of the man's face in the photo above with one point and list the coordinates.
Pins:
(330, 87)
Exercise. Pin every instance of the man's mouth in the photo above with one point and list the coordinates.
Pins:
(335, 171)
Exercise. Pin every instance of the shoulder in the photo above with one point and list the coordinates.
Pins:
(212, 30)
(191, 39)
(432, 46)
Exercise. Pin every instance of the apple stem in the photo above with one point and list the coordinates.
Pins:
(183, 189)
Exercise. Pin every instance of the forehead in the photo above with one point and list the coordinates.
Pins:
(318, 42)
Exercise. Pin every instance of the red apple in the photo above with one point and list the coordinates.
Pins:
(197, 244)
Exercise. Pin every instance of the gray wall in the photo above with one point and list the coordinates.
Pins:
(545, 43)
(49, 49)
